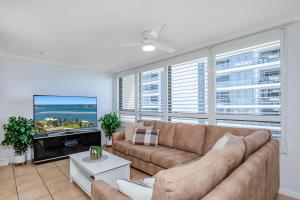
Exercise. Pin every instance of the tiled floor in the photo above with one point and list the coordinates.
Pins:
(42, 182)
(47, 182)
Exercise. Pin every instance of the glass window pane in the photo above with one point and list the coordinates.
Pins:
(187, 87)
(275, 127)
(151, 90)
(127, 117)
(248, 81)
(126, 93)
(188, 120)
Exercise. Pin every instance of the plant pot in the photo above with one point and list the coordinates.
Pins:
(108, 141)
(19, 159)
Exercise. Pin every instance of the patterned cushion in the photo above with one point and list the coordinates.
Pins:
(145, 136)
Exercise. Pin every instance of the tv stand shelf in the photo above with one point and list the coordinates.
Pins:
(60, 144)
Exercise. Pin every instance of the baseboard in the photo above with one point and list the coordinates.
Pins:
(289, 193)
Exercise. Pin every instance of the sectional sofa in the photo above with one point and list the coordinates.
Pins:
(185, 167)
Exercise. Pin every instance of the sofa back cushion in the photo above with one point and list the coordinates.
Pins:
(149, 123)
(214, 133)
(255, 140)
(166, 133)
(191, 181)
(189, 137)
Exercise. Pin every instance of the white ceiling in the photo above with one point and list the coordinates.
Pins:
(89, 33)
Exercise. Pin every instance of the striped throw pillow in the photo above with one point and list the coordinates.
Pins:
(145, 136)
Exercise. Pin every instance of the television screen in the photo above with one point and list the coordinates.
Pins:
(53, 113)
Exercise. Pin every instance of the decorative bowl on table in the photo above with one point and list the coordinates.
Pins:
(95, 152)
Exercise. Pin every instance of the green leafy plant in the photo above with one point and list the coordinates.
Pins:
(109, 123)
(19, 132)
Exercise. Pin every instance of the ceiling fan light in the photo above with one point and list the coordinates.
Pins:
(148, 47)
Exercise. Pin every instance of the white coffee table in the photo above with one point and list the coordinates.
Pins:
(109, 168)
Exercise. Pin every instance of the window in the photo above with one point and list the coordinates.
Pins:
(151, 96)
(187, 87)
(127, 118)
(238, 84)
(248, 83)
(188, 120)
(149, 117)
(126, 98)
(275, 127)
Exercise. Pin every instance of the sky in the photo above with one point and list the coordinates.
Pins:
(59, 100)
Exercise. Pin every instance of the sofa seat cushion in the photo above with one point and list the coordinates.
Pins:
(172, 157)
(122, 146)
(144, 152)
(189, 137)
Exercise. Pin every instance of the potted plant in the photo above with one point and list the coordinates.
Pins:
(19, 134)
(109, 124)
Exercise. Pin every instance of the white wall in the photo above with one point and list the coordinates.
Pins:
(290, 163)
(20, 79)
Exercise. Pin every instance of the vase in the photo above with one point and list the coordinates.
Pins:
(108, 141)
(19, 159)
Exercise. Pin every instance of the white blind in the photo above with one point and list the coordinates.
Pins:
(187, 87)
(248, 81)
(126, 93)
(151, 91)
(127, 117)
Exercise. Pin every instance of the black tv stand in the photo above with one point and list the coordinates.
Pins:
(58, 144)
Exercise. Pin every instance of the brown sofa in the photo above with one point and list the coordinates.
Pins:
(185, 168)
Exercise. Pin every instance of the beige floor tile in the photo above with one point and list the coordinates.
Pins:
(25, 170)
(55, 179)
(46, 167)
(15, 197)
(137, 175)
(20, 180)
(82, 198)
(33, 194)
(30, 185)
(6, 169)
(64, 162)
(7, 183)
(6, 172)
(8, 192)
(68, 194)
(48, 197)
(53, 173)
(7, 176)
(283, 197)
(60, 186)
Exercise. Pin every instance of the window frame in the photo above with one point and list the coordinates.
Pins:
(210, 53)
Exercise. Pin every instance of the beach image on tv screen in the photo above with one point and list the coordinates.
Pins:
(57, 112)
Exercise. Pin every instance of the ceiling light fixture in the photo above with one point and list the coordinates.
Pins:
(148, 47)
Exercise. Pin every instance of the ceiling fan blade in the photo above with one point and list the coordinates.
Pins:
(164, 48)
(157, 29)
(131, 44)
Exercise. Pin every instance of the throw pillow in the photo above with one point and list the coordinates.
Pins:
(129, 129)
(145, 136)
(136, 190)
(222, 142)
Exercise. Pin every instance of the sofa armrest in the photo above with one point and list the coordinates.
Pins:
(118, 136)
(102, 191)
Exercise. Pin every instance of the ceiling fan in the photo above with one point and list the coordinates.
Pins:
(149, 41)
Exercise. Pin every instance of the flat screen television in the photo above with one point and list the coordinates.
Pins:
(53, 113)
